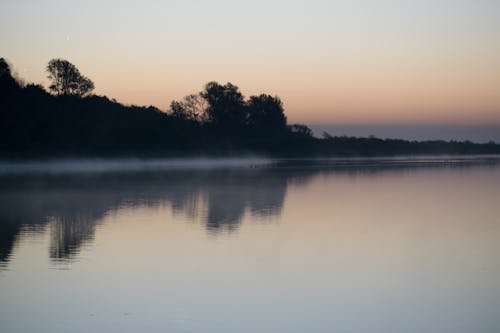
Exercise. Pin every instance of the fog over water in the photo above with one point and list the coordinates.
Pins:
(93, 165)
(358, 245)
(125, 165)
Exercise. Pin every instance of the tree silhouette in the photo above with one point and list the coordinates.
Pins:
(226, 106)
(4, 67)
(7, 82)
(301, 130)
(67, 80)
(192, 107)
(218, 121)
(265, 113)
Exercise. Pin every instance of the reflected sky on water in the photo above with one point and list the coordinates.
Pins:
(287, 247)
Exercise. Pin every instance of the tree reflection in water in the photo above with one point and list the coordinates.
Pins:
(73, 204)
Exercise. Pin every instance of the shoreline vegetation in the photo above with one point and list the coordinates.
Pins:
(68, 121)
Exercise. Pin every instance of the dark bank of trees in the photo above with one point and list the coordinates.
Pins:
(70, 121)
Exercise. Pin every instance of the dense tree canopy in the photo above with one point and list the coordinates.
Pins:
(66, 79)
(218, 120)
(192, 107)
(226, 106)
(266, 113)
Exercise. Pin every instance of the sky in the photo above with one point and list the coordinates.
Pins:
(354, 62)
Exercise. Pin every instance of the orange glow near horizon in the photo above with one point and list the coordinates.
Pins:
(384, 62)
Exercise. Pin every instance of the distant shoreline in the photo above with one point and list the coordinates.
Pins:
(311, 148)
(477, 133)
(219, 121)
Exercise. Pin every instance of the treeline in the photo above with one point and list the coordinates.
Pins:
(68, 121)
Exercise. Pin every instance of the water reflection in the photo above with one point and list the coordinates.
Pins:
(365, 247)
(72, 205)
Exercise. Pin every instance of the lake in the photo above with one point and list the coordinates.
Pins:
(359, 246)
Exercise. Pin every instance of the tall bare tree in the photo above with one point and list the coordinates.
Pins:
(67, 80)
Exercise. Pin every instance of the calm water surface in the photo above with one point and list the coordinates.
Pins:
(308, 247)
